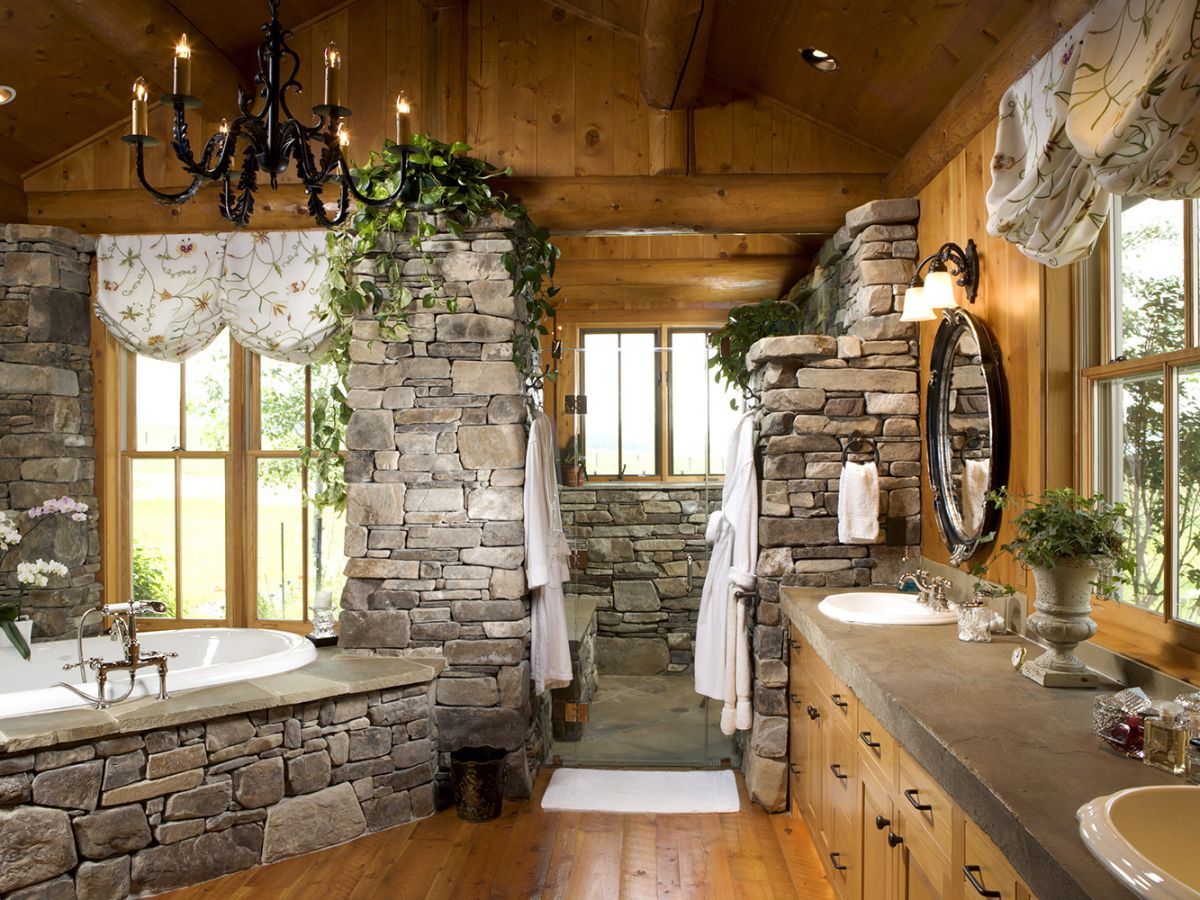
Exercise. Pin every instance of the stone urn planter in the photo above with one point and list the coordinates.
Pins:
(1062, 618)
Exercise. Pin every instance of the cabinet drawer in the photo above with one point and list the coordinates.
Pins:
(876, 746)
(925, 804)
(986, 873)
(843, 858)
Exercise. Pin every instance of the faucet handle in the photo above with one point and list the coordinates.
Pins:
(91, 663)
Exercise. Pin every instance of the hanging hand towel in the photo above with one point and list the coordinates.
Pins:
(858, 503)
(976, 475)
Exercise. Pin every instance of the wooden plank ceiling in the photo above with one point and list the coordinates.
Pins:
(901, 60)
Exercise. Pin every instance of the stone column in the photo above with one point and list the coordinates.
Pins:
(435, 474)
(858, 375)
(46, 416)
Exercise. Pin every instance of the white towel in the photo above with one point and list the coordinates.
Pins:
(977, 473)
(858, 503)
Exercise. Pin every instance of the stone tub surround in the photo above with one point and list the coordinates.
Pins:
(638, 536)
(327, 753)
(434, 473)
(856, 372)
(47, 425)
(1018, 758)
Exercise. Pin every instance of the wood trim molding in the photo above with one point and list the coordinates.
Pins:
(974, 104)
(635, 204)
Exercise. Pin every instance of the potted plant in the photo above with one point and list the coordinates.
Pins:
(1075, 546)
(572, 460)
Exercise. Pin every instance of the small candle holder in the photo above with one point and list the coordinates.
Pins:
(187, 101)
(144, 139)
(323, 621)
(331, 111)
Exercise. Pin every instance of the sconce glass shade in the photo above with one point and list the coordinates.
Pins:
(916, 306)
(939, 290)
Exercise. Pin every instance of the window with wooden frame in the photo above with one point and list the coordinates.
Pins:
(1141, 412)
(212, 490)
(654, 410)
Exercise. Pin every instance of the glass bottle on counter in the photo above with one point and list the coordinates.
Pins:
(1191, 708)
(1192, 776)
(1166, 741)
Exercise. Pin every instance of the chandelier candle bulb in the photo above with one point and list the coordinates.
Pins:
(343, 136)
(181, 81)
(333, 76)
(403, 120)
(141, 113)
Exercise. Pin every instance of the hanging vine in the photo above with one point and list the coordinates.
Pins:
(448, 189)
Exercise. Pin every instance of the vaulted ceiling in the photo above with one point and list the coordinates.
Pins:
(901, 60)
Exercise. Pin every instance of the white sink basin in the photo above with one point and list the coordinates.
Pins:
(882, 608)
(1144, 837)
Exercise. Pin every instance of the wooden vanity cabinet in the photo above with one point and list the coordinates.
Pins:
(884, 828)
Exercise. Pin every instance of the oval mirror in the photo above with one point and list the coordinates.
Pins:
(966, 432)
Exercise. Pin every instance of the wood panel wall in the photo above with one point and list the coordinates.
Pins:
(1028, 309)
(529, 84)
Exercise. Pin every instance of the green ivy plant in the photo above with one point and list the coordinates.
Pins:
(1064, 527)
(748, 324)
(447, 189)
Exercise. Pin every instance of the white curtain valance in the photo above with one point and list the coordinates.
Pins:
(1135, 103)
(1044, 196)
(169, 296)
(1113, 109)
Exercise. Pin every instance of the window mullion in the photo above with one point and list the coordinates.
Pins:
(1170, 492)
(1189, 273)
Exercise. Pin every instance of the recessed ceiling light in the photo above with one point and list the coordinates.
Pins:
(7, 94)
(819, 59)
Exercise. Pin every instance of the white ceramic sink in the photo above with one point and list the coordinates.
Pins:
(882, 608)
(1144, 836)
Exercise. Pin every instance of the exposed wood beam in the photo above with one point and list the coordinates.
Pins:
(736, 279)
(12, 197)
(975, 104)
(144, 31)
(674, 48)
(709, 204)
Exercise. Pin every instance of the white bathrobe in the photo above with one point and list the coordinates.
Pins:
(547, 560)
(722, 643)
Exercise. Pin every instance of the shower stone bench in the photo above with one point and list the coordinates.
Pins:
(154, 795)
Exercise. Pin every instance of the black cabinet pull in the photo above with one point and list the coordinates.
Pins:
(911, 796)
(838, 701)
(882, 823)
(836, 769)
(865, 737)
(833, 858)
(795, 698)
(894, 840)
(813, 712)
(970, 872)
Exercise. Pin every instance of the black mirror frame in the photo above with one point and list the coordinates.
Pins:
(937, 454)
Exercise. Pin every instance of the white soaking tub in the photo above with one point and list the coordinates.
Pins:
(207, 657)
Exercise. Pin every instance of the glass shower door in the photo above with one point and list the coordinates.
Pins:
(636, 528)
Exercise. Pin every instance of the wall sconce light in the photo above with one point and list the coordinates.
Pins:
(936, 290)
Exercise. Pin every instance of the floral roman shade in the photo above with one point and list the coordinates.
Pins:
(1113, 109)
(272, 293)
(169, 296)
(159, 295)
(1044, 196)
(1135, 103)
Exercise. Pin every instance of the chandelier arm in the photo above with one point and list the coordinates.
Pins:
(348, 179)
(201, 168)
(163, 196)
(316, 208)
(299, 149)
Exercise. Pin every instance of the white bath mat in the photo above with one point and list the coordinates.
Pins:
(625, 791)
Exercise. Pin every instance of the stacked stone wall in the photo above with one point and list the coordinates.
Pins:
(157, 810)
(47, 427)
(817, 391)
(638, 538)
(435, 473)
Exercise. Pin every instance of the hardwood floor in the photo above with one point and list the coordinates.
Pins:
(531, 853)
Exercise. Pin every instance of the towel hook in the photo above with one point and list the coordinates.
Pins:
(859, 443)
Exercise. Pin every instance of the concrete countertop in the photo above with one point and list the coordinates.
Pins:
(329, 675)
(1018, 758)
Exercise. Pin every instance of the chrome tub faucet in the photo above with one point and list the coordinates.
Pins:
(123, 628)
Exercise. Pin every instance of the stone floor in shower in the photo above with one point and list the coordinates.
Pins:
(649, 720)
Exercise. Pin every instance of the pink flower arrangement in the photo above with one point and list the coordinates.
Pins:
(62, 506)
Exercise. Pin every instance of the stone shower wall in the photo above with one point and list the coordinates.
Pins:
(435, 474)
(638, 538)
(816, 390)
(158, 810)
(46, 417)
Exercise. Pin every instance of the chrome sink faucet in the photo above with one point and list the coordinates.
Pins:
(123, 628)
(931, 589)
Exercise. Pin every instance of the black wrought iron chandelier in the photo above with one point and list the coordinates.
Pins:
(271, 138)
